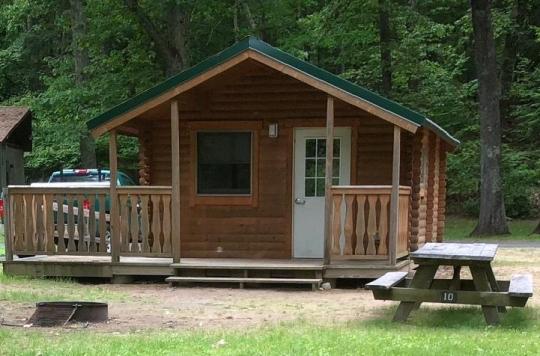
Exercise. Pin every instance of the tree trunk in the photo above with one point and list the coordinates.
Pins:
(492, 220)
(537, 229)
(236, 28)
(384, 44)
(250, 18)
(87, 145)
(170, 45)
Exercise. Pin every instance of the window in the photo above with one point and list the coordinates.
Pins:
(224, 163)
(315, 171)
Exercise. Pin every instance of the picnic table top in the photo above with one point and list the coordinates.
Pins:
(456, 251)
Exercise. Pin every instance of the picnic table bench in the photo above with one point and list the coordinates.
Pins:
(483, 289)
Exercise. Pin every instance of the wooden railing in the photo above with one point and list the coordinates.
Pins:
(145, 221)
(48, 221)
(361, 221)
(76, 221)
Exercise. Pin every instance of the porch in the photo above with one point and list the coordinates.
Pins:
(143, 245)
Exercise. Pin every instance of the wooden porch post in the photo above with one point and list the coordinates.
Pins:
(115, 212)
(394, 198)
(175, 181)
(328, 179)
(7, 225)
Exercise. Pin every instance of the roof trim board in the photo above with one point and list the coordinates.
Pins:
(251, 47)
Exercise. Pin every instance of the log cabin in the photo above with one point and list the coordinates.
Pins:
(254, 167)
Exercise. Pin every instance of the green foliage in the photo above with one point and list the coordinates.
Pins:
(432, 70)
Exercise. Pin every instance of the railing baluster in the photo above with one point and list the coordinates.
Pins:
(145, 223)
(29, 226)
(71, 224)
(60, 223)
(360, 225)
(92, 223)
(348, 229)
(156, 230)
(167, 223)
(336, 225)
(383, 225)
(19, 222)
(37, 210)
(134, 223)
(124, 223)
(49, 223)
(81, 232)
(102, 224)
(372, 224)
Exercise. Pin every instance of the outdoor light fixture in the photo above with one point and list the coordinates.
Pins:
(273, 130)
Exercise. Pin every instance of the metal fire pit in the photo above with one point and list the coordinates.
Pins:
(60, 313)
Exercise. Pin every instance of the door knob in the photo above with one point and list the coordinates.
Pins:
(299, 201)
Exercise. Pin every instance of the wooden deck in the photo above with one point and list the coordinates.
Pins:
(103, 267)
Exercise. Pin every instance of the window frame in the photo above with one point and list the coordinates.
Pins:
(226, 199)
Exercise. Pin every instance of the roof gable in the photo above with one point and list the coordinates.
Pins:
(410, 118)
(15, 125)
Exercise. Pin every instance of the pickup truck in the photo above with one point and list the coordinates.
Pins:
(74, 178)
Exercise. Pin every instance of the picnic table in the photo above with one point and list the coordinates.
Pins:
(483, 289)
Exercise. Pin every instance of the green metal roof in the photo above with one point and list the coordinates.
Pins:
(252, 43)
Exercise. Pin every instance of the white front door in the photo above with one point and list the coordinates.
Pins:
(308, 190)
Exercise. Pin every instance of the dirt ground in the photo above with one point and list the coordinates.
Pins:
(158, 306)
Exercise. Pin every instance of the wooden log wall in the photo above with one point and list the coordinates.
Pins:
(374, 152)
(145, 156)
(428, 197)
(432, 203)
(442, 192)
(264, 230)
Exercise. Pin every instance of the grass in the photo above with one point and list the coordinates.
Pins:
(2, 248)
(459, 228)
(27, 290)
(459, 331)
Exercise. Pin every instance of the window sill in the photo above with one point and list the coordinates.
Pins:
(224, 200)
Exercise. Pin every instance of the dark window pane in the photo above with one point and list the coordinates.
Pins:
(309, 187)
(335, 168)
(335, 181)
(321, 165)
(321, 147)
(310, 168)
(336, 147)
(224, 162)
(310, 147)
(320, 187)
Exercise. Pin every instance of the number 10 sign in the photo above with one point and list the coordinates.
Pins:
(448, 297)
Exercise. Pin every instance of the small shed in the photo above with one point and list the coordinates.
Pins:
(15, 139)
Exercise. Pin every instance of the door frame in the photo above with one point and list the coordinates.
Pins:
(352, 168)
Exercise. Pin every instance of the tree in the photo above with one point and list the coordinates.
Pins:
(87, 146)
(385, 41)
(170, 41)
(492, 219)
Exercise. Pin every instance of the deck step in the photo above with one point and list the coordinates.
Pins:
(315, 282)
(226, 266)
